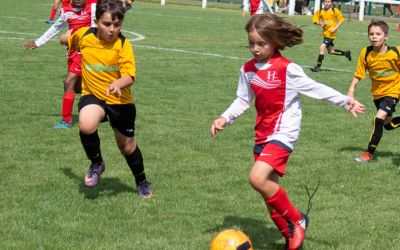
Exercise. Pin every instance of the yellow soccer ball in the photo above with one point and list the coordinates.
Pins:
(231, 239)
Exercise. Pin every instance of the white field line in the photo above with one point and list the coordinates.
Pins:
(139, 37)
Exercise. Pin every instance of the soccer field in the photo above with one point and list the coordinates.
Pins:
(188, 62)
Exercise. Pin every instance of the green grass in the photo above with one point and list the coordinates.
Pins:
(200, 183)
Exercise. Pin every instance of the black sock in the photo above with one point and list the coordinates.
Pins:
(135, 163)
(394, 123)
(376, 135)
(319, 60)
(91, 144)
(339, 52)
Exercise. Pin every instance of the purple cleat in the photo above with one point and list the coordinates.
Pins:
(144, 189)
(93, 175)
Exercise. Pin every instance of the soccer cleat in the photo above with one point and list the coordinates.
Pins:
(63, 124)
(144, 190)
(48, 21)
(315, 69)
(93, 175)
(364, 157)
(347, 54)
(297, 233)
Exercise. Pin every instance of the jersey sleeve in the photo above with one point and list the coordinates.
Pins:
(246, 5)
(339, 15)
(126, 60)
(316, 17)
(54, 29)
(361, 65)
(244, 98)
(297, 79)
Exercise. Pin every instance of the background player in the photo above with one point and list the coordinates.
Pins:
(64, 3)
(76, 15)
(330, 19)
(383, 65)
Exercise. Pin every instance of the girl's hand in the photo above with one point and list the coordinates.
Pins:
(217, 125)
(30, 45)
(355, 107)
(114, 89)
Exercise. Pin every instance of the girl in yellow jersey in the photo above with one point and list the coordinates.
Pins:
(383, 65)
(108, 72)
(330, 19)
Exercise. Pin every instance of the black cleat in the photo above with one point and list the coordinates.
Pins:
(347, 54)
(315, 69)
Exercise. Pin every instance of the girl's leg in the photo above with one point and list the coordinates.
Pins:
(70, 81)
(264, 180)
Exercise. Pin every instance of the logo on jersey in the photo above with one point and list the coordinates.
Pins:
(272, 81)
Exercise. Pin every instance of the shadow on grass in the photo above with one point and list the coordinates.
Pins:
(263, 235)
(378, 154)
(108, 186)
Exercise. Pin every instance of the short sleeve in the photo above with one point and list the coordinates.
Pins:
(126, 60)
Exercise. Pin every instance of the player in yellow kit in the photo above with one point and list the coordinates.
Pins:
(383, 65)
(330, 19)
(108, 72)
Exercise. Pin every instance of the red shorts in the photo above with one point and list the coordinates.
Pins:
(274, 155)
(75, 63)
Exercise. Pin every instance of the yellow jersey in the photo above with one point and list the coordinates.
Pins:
(330, 18)
(383, 69)
(103, 63)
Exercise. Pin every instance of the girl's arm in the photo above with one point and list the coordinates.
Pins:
(48, 35)
(296, 78)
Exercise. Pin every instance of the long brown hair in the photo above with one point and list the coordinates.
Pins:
(276, 30)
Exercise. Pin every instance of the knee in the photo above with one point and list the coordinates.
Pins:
(87, 127)
(69, 84)
(256, 181)
(127, 148)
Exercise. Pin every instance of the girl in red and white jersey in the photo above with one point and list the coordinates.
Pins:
(276, 83)
(255, 7)
(78, 14)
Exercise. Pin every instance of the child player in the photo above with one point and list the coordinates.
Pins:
(330, 19)
(276, 84)
(383, 64)
(255, 7)
(108, 72)
(77, 15)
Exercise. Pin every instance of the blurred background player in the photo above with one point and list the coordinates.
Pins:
(276, 84)
(107, 76)
(53, 12)
(330, 19)
(383, 65)
(76, 15)
(255, 7)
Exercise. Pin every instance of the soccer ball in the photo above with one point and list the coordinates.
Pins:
(231, 239)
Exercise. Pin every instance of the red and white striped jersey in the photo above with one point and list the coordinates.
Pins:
(75, 18)
(276, 87)
(255, 6)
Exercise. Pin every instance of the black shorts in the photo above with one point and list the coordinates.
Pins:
(387, 104)
(328, 42)
(122, 116)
